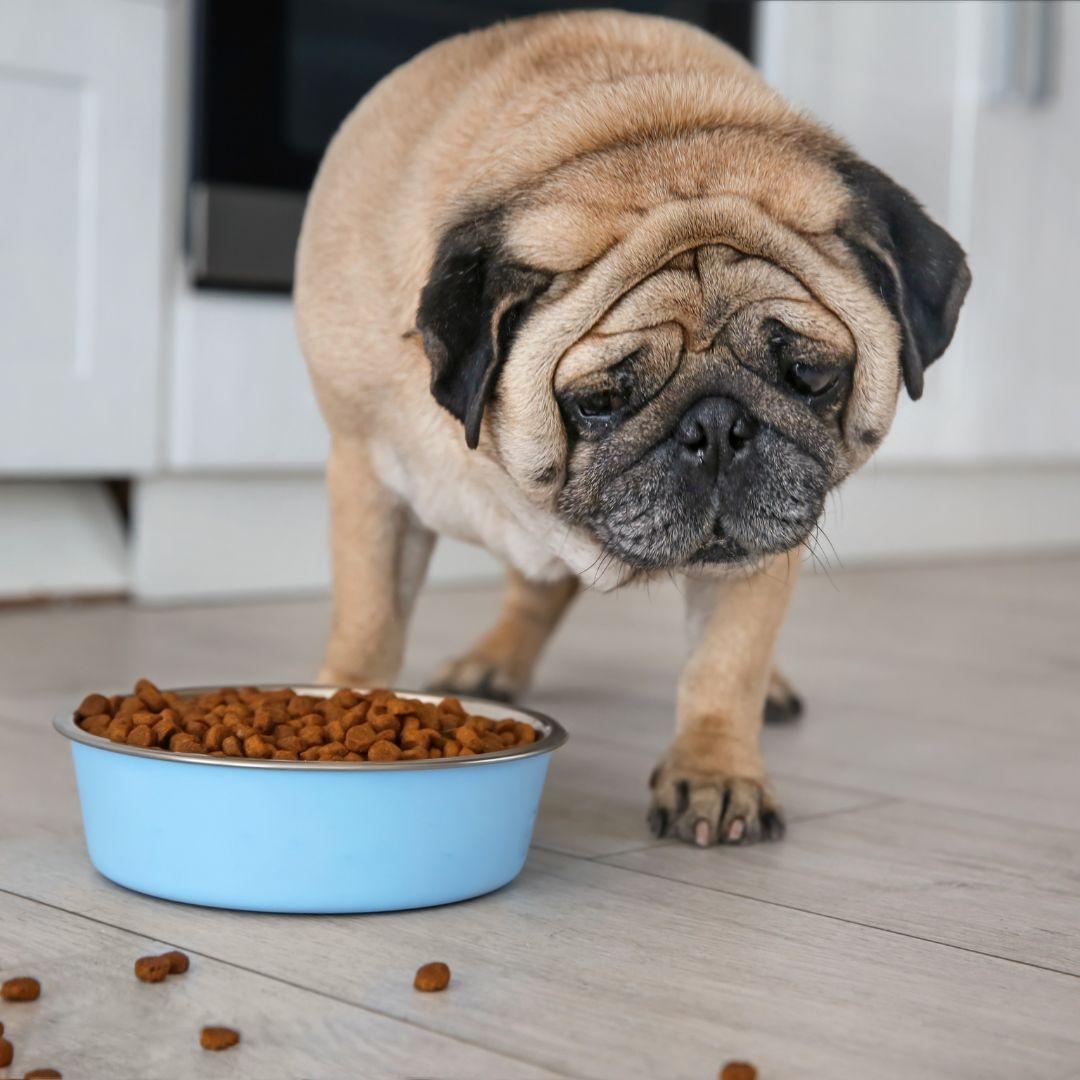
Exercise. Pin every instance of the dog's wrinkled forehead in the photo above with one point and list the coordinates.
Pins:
(694, 303)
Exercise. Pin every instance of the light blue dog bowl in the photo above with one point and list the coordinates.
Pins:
(297, 836)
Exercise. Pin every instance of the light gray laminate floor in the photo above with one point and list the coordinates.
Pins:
(922, 917)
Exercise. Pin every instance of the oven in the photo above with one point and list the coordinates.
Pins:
(273, 81)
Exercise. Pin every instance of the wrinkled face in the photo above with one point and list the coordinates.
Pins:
(703, 414)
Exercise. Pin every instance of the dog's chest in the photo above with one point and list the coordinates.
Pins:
(481, 506)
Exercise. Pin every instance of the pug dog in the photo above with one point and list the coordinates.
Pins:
(583, 290)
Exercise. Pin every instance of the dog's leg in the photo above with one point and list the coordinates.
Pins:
(710, 787)
(501, 663)
(380, 556)
(782, 702)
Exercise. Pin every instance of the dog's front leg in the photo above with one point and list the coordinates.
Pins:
(710, 787)
(380, 556)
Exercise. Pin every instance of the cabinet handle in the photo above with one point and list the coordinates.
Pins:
(1024, 50)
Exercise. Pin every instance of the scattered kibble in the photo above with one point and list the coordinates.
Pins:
(42, 1074)
(738, 1070)
(7, 1053)
(152, 969)
(432, 977)
(178, 961)
(22, 988)
(218, 1038)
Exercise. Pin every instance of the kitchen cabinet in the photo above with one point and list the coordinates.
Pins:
(975, 107)
(82, 97)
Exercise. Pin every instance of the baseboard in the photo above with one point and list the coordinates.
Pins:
(910, 512)
(212, 537)
(218, 536)
(60, 539)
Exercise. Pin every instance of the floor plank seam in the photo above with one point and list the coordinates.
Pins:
(288, 982)
(837, 918)
(887, 801)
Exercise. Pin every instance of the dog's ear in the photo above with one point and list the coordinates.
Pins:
(917, 267)
(472, 305)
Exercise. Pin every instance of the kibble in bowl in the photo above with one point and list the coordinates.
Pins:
(307, 799)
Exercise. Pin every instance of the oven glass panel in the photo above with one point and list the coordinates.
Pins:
(271, 90)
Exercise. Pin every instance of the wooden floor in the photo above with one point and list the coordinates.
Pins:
(922, 918)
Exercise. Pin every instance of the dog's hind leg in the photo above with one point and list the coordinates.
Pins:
(782, 703)
(500, 665)
(380, 556)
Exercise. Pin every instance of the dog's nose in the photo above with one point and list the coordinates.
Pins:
(712, 433)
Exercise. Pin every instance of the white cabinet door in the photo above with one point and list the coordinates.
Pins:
(917, 89)
(1024, 382)
(81, 229)
(884, 76)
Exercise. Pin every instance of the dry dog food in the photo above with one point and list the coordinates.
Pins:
(21, 989)
(7, 1052)
(42, 1074)
(432, 977)
(178, 962)
(218, 1038)
(738, 1070)
(154, 969)
(151, 969)
(286, 726)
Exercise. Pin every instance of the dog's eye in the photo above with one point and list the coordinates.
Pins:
(599, 404)
(811, 381)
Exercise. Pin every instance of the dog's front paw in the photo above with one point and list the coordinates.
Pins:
(711, 808)
(478, 676)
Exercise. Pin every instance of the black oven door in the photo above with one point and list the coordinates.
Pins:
(273, 81)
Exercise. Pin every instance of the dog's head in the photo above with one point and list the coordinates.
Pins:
(687, 379)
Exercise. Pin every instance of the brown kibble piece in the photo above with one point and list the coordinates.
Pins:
(164, 729)
(141, 736)
(97, 725)
(218, 1038)
(255, 746)
(21, 988)
(93, 705)
(7, 1053)
(178, 961)
(360, 737)
(119, 729)
(384, 750)
(183, 743)
(151, 695)
(42, 1074)
(231, 747)
(432, 977)
(467, 737)
(152, 969)
(738, 1070)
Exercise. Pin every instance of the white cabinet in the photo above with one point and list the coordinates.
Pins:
(81, 232)
(915, 87)
(239, 393)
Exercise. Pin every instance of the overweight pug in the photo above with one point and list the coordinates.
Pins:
(583, 290)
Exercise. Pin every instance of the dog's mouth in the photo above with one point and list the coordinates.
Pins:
(650, 522)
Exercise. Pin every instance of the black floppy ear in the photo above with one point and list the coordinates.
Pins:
(918, 268)
(474, 301)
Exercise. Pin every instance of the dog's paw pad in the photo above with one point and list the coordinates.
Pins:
(704, 809)
(476, 677)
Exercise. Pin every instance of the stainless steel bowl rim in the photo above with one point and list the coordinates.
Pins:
(554, 736)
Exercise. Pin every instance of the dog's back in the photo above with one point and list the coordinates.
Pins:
(440, 133)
